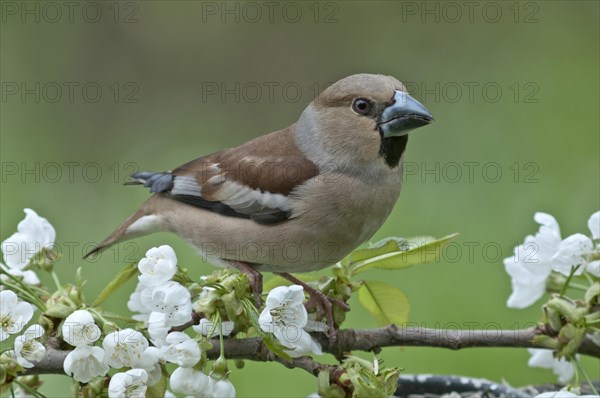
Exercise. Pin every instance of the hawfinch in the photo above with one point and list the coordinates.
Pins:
(295, 200)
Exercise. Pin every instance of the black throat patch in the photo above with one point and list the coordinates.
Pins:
(392, 148)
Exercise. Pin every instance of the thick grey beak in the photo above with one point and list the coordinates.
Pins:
(404, 115)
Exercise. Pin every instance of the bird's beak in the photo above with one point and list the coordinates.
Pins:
(404, 115)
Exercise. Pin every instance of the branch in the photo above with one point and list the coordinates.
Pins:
(358, 340)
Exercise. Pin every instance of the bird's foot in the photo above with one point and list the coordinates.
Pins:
(255, 277)
(322, 303)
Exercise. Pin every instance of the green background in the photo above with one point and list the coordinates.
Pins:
(541, 132)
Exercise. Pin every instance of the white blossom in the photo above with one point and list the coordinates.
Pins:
(79, 329)
(135, 304)
(205, 326)
(171, 299)
(180, 349)
(169, 394)
(286, 317)
(130, 384)
(149, 358)
(154, 374)
(85, 362)
(27, 348)
(192, 382)
(158, 328)
(541, 358)
(579, 249)
(159, 266)
(572, 251)
(223, 389)
(14, 314)
(34, 233)
(530, 265)
(124, 348)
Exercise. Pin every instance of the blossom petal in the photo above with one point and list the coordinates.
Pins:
(33, 234)
(223, 389)
(159, 266)
(542, 358)
(572, 252)
(130, 384)
(189, 381)
(79, 328)
(85, 363)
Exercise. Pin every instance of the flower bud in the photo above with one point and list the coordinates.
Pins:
(592, 295)
(553, 318)
(546, 342)
(3, 373)
(97, 386)
(207, 303)
(60, 311)
(555, 282)
(220, 369)
(325, 389)
(575, 337)
(232, 304)
(32, 381)
(565, 308)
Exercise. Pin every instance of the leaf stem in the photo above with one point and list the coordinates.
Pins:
(568, 281)
(586, 376)
(56, 281)
(28, 295)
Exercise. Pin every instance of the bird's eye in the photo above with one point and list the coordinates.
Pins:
(361, 106)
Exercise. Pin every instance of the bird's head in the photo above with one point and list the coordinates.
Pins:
(360, 121)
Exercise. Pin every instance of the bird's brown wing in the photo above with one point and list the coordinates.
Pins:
(251, 181)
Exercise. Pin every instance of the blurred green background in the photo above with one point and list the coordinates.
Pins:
(93, 94)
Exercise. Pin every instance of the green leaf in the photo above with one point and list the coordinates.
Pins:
(275, 346)
(122, 277)
(385, 302)
(397, 253)
(382, 247)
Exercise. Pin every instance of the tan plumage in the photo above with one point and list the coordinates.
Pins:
(295, 200)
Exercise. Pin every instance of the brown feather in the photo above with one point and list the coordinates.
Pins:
(270, 163)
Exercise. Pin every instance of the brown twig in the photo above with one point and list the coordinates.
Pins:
(358, 340)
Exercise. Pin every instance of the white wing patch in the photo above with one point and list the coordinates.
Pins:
(239, 197)
(186, 185)
(245, 199)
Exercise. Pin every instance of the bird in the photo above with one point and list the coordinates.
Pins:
(295, 200)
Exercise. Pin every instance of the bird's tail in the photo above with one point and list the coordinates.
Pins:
(140, 223)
